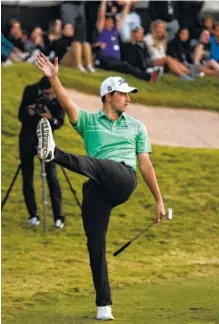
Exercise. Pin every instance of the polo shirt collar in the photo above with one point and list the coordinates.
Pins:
(101, 114)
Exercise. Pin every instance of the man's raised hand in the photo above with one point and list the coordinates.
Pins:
(50, 70)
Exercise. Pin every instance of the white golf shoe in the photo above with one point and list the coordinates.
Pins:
(46, 143)
(34, 221)
(104, 313)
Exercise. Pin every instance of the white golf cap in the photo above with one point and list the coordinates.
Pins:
(115, 84)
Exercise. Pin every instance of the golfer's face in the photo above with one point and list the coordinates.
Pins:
(120, 101)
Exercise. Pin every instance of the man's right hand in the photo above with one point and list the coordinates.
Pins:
(50, 70)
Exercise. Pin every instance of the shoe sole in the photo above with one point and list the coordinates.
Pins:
(43, 134)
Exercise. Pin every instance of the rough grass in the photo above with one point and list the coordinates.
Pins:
(170, 91)
(46, 279)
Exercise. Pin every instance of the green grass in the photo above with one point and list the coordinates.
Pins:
(185, 301)
(46, 279)
(170, 91)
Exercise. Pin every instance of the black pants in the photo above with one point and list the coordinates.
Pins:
(112, 64)
(27, 153)
(110, 184)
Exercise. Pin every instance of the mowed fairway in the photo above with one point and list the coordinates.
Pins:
(169, 275)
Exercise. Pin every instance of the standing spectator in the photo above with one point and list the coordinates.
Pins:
(73, 12)
(157, 47)
(71, 52)
(108, 55)
(202, 58)
(39, 101)
(167, 12)
(189, 15)
(131, 20)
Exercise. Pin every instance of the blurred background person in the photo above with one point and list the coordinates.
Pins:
(157, 47)
(202, 58)
(39, 101)
(167, 12)
(72, 52)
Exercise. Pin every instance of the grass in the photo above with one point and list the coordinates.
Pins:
(169, 275)
(170, 91)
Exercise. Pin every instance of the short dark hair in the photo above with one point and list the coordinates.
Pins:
(104, 97)
(44, 83)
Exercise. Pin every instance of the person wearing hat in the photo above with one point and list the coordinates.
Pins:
(113, 142)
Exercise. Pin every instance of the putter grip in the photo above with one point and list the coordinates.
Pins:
(122, 248)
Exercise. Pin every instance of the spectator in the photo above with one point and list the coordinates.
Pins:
(214, 45)
(9, 52)
(131, 20)
(71, 52)
(202, 58)
(73, 12)
(136, 52)
(108, 55)
(157, 47)
(189, 15)
(39, 101)
(180, 48)
(35, 41)
(15, 34)
(167, 12)
(209, 24)
(53, 34)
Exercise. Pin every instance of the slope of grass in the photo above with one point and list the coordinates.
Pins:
(51, 274)
(183, 301)
(170, 91)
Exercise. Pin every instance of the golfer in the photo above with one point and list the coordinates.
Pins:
(113, 142)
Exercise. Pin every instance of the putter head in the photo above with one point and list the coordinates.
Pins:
(169, 213)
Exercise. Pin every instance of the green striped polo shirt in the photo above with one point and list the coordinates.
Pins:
(119, 140)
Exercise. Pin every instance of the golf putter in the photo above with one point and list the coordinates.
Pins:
(169, 215)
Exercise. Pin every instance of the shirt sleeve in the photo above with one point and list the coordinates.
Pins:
(82, 122)
(143, 144)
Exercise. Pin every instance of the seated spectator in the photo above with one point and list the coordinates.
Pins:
(214, 44)
(15, 34)
(108, 55)
(35, 41)
(131, 20)
(136, 52)
(208, 24)
(9, 52)
(73, 53)
(202, 55)
(53, 34)
(157, 47)
(167, 12)
(180, 48)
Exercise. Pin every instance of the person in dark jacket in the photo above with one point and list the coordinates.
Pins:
(135, 52)
(39, 101)
(180, 48)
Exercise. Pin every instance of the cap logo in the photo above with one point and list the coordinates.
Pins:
(109, 88)
(121, 81)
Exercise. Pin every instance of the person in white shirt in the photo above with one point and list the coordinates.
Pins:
(157, 46)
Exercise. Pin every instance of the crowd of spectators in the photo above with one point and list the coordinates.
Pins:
(171, 36)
